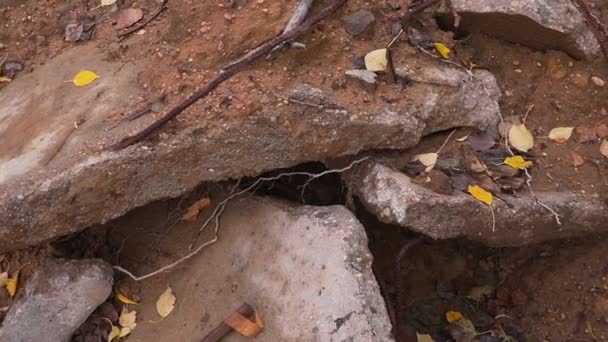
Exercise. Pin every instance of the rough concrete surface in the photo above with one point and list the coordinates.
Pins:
(546, 24)
(395, 199)
(57, 179)
(306, 270)
(56, 300)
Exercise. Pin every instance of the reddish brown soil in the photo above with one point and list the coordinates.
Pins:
(564, 284)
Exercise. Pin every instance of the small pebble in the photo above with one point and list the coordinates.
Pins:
(598, 81)
(516, 62)
(359, 22)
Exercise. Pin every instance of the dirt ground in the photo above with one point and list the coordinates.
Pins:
(556, 291)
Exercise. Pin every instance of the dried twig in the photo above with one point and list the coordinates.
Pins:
(298, 15)
(123, 35)
(231, 70)
(219, 209)
(530, 107)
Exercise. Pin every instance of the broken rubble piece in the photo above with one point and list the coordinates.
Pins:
(57, 299)
(363, 75)
(394, 198)
(79, 182)
(544, 24)
(305, 269)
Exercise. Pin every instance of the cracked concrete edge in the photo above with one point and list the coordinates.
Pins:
(358, 259)
(50, 203)
(395, 199)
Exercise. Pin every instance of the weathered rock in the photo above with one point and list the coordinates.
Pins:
(306, 270)
(394, 198)
(363, 75)
(598, 82)
(545, 24)
(358, 22)
(56, 300)
(56, 179)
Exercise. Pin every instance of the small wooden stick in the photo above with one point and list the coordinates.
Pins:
(224, 329)
(230, 71)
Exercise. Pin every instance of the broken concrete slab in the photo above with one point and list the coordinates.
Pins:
(544, 24)
(394, 198)
(305, 269)
(57, 179)
(56, 300)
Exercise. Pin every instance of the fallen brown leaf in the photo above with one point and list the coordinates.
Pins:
(585, 134)
(577, 159)
(195, 209)
(471, 162)
(481, 142)
(128, 17)
(601, 131)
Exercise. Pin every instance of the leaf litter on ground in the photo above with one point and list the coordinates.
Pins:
(520, 137)
(518, 162)
(128, 17)
(165, 303)
(195, 209)
(127, 321)
(124, 299)
(12, 283)
(376, 60)
(561, 134)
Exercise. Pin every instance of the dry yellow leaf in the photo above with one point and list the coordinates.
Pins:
(604, 148)
(84, 78)
(124, 332)
(127, 318)
(427, 159)
(561, 134)
(376, 60)
(521, 138)
(424, 338)
(443, 50)
(5, 80)
(12, 283)
(114, 333)
(165, 303)
(518, 162)
(3, 278)
(123, 298)
(453, 316)
(481, 194)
